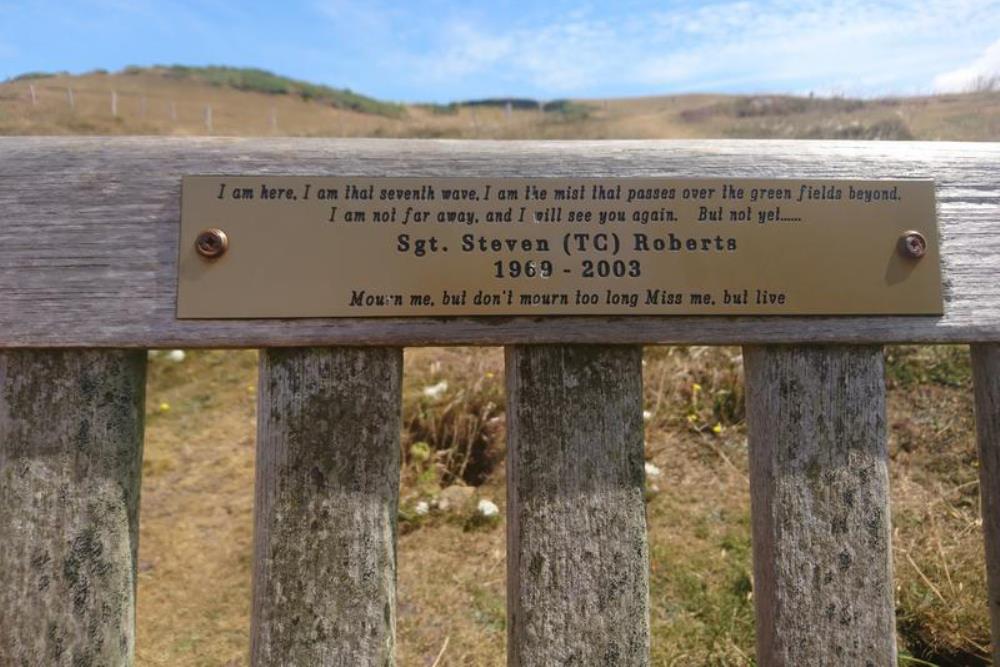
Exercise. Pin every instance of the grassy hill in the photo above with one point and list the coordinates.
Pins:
(175, 100)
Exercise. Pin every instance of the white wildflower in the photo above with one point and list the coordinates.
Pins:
(176, 356)
(435, 390)
(421, 508)
(652, 470)
(647, 415)
(487, 508)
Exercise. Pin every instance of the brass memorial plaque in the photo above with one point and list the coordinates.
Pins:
(282, 246)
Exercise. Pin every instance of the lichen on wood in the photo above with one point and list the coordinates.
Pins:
(71, 433)
(819, 490)
(578, 559)
(327, 492)
(986, 374)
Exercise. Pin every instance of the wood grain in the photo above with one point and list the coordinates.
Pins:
(819, 492)
(577, 554)
(327, 490)
(89, 230)
(71, 431)
(986, 376)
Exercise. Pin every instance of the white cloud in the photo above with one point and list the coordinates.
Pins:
(965, 78)
(852, 46)
(363, 18)
(466, 50)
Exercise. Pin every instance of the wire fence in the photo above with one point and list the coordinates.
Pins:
(120, 104)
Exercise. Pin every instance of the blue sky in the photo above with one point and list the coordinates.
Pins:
(444, 50)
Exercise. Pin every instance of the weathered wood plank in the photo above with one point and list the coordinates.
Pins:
(71, 431)
(819, 492)
(577, 555)
(327, 492)
(89, 233)
(986, 375)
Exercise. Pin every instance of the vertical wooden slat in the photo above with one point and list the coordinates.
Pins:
(577, 569)
(71, 432)
(986, 376)
(819, 494)
(326, 499)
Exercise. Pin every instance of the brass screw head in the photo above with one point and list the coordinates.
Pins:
(211, 243)
(913, 244)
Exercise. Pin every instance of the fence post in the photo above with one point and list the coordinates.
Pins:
(71, 432)
(578, 562)
(986, 376)
(820, 503)
(327, 492)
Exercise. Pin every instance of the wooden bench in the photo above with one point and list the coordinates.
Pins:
(88, 252)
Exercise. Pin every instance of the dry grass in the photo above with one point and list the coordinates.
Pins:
(197, 497)
(938, 543)
(195, 545)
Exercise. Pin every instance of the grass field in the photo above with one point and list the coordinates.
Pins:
(195, 544)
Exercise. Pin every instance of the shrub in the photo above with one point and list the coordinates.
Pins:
(262, 81)
(27, 76)
(453, 417)
(441, 109)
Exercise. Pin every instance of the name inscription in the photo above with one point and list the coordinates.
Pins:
(378, 247)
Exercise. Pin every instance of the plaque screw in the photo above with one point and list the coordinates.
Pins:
(913, 244)
(211, 243)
